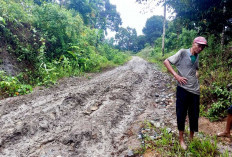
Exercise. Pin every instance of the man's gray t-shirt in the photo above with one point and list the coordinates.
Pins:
(186, 69)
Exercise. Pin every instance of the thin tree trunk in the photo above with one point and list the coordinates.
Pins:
(223, 29)
(223, 37)
(163, 39)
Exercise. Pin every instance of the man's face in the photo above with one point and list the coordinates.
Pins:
(197, 48)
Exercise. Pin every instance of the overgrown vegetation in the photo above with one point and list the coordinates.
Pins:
(11, 86)
(53, 42)
(164, 142)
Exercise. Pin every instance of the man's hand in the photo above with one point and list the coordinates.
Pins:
(197, 74)
(181, 80)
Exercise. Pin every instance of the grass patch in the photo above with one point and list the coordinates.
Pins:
(153, 56)
(165, 142)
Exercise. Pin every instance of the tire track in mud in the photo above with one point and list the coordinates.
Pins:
(86, 118)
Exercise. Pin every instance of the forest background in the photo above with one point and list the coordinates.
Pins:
(48, 40)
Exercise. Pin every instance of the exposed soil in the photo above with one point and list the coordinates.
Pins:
(9, 63)
(98, 115)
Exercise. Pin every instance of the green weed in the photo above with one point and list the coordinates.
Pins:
(10, 86)
(166, 143)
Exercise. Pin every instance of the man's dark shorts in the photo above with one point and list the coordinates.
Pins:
(187, 103)
(230, 110)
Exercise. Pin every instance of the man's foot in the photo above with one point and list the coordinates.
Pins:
(183, 146)
(191, 138)
(223, 134)
(191, 135)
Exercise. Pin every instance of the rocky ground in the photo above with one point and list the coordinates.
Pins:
(99, 115)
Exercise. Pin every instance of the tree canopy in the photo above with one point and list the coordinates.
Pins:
(206, 16)
(126, 39)
(99, 14)
(153, 28)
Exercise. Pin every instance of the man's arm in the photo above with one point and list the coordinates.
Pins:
(181, 80)
(197, 73)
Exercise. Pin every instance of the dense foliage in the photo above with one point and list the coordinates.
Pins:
(126, 39)
(207, 17)
(53, 41)
(153, 28)
(99, 14)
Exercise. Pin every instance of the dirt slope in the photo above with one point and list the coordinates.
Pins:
(87, 117)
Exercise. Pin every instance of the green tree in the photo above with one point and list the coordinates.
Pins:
(126, 39)
(141, 41)
(208, 16)
(108, 17)
(100, 14)
(61, 30)
(153, 28)
(82, 7)
(39, 2)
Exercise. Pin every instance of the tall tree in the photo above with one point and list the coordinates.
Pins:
(153, 28)
(99, 14)
(206, 16)
(210, 16)
(39, 2)
(81, 6)
(141, 41)
(126, 39)
(108, 17)
(163, 38)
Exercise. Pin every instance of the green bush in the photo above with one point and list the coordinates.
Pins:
(10, 86)
(16, 12)
(215, 77)
(59, 28)
(218, 108)
(174, 42)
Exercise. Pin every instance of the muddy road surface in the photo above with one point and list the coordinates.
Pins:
(84, 117)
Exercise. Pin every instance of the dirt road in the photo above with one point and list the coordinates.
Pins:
(86, 117)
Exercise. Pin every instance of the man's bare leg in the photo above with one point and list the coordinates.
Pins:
(191, 135)
(226, 132)
(181, 140)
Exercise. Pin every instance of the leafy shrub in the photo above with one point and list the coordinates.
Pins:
(113, 55)
(15, 12)
(59, 27)
(186, 38)
(174, 42)
(216, 76)
(96, 62)
(10, 86)
(218, 108)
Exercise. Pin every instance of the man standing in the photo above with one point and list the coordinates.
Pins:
(188, 91)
